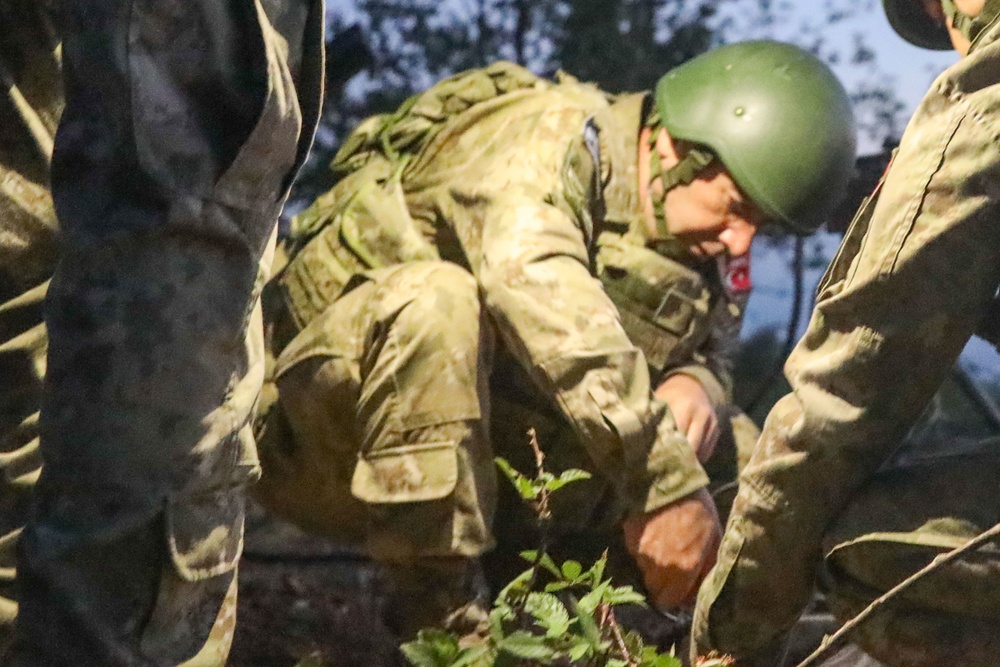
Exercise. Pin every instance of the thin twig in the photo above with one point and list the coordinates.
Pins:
(541, 511)
(942, 559)
(619, 640)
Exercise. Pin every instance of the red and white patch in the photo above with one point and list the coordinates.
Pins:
(736, 275)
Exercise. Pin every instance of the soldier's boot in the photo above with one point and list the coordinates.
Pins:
(445, 593)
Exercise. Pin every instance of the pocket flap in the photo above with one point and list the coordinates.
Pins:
(414, 473)
(205, 532)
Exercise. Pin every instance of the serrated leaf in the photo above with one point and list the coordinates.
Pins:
(585, 620)
(567, 477)
(572, 570)
(471, 656)
(549, 612)
(431, 648)
(527, 646)
(557, 586)
(625, 595)
(525, 487)
(614, 662)
(545, 561)
(597, 571)
(579, 651)
(667, 661)
(518, 584)
(497, 617)
(588, 603)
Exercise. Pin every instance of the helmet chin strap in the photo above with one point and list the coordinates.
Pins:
(971, 27)
(681, 173)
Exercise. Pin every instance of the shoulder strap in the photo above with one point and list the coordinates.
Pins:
(407, 131)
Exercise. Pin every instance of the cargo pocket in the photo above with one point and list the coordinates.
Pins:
(205, 532)
(193, 619)
(408, 474)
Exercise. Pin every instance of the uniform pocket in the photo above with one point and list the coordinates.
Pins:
(205, 532)
(408, 474)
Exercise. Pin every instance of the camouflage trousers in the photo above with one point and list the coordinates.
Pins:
(388, 408)
(909, 513)
(184, 125)
(378, 430)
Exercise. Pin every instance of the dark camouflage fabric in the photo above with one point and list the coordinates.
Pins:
(183, 128)
(822, 497)
(441, 301)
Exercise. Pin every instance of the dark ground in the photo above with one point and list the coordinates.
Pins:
(306, 599)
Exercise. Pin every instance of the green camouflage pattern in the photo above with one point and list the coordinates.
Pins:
(914, 277)
(155, 357)
(440, 302)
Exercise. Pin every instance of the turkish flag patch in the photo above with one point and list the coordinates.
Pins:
(736, 272)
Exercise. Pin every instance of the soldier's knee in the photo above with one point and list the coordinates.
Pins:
(445, 306)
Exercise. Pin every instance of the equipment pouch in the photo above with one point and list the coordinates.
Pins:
(369, 229)
(664, 306)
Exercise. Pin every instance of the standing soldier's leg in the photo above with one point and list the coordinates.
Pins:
(384, 398)
(180, 136)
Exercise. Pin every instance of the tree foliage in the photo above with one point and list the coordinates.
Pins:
(622, 45)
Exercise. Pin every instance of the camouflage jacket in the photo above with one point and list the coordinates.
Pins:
(534, 191)
(912, 280)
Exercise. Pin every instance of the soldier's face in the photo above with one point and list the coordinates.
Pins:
(711, 216)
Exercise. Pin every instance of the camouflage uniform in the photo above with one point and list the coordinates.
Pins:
(439, 303)
(823, 497)
(181, 134)
(29, 112)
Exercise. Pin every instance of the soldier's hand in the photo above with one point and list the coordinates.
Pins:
(675, 547)
(693, 411)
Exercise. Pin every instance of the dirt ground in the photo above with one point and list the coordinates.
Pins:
(307, 599)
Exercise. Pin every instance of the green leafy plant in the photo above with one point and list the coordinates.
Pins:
(553, 613)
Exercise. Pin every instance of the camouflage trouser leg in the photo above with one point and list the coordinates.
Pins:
(181, 132)
(897, 524)
(378, 433)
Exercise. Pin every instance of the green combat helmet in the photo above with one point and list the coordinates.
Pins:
(775, 116)
(909, 19)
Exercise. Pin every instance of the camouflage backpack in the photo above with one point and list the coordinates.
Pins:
(362, 223)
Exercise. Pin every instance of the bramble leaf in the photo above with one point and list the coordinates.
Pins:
(625, 595)
(572, 570)
(431, 648)
(549, 612)
(545, 561)
(526, 488)
(567, 477)
(527, 646)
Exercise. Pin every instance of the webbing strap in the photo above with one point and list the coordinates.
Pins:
(682, 173)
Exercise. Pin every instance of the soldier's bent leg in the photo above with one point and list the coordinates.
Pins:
(383, 399)
(895, 526)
